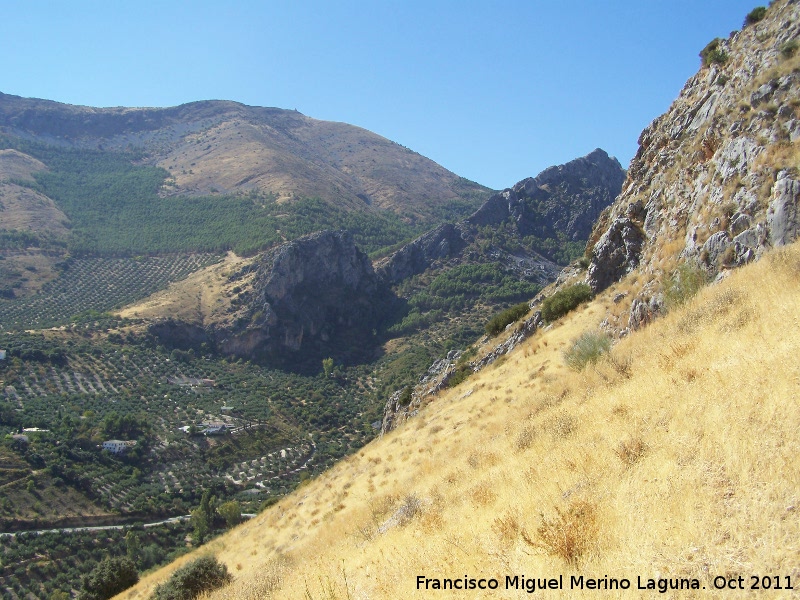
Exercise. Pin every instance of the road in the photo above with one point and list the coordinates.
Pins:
(104, 527)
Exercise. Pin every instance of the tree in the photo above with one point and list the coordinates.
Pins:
(133, 545)
(327, 366)
(232, 512)
(109, 578)
(203, 517)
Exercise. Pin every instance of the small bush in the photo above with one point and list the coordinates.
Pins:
(571, 534)
(789, 49)
(684, 283)
(588, 348)
(713, 54)
(498, 322)
(405, 396)
(202, 575)
(630, 451)
(565, 300)
(460, 374)
(755, 15)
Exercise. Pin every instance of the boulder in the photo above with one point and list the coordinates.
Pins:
(615, 254)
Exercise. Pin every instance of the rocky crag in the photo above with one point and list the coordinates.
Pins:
(715, 181)
(561, 203)
(305, 294)
(315, 295)
(539, 214)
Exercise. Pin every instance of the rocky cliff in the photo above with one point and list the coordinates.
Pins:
(312, 295)
(715, 179)
(307, 291)
(524, 226)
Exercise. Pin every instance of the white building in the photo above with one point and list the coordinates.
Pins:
(118, 446)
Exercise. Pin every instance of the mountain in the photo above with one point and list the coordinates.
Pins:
(647, 469)
(604, 448)
(223, 148)
(320, 296)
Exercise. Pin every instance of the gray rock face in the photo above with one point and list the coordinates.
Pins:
(561, 202)
(711, 172)
(416, 256)
(305, 290)
(615, 254)
(565, 199)
(715, 247)
(782, 216)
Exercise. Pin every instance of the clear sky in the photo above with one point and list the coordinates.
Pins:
(494, 90)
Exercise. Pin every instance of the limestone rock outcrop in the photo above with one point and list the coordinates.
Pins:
(559, 205)
(715, 179)
(307, 289)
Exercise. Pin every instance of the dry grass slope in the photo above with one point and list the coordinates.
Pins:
(673, 456)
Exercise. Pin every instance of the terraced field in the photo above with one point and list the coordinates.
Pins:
(99, 285)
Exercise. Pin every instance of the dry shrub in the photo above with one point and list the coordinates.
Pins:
(483, 494)
(570, 534)
(525, 438)
(410, 508)
(268, 581)
(561, 425)
(630, 451)
(507, 527)
(482, 459)
(622, 366)
(432, 520)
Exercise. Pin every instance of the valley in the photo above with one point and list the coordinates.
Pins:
(216, 309)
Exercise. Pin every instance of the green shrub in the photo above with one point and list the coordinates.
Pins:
(499, 321)
(713, 54)
(588, 348)
(460, 374)
(406, 395)
(109, 578)
(755, 15)
(789, 49)
(202, 575)
(565, 300)
(684, 283)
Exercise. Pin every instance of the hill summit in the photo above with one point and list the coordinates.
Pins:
(223, 147)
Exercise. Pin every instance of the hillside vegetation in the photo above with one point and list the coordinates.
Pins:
(674, 456)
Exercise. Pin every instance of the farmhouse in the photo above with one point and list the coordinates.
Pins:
(118, 446)
(216, 429)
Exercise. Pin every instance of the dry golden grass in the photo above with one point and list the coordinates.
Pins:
(677, 456)
(203, 296)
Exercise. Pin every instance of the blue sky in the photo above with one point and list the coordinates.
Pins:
(495, 91)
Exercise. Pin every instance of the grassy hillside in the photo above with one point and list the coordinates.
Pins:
(672, 457)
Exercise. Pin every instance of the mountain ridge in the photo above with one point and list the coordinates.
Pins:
(224, 147)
